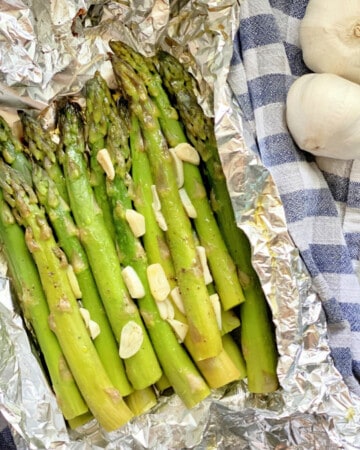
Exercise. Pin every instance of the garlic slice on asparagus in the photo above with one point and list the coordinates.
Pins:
(330, 37)
(133, 282)
(104, 159)
(179, 168)
(323, 115)
(136, 222)
(177, 299)
(131, 339)
(158, 282)
(180, 329)
(187, 153)
(90, 324)
(187, 204)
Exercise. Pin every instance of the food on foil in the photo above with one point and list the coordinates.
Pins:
(122, 245)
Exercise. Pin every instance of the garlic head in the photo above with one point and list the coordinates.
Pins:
(323, 115)
(330, 37)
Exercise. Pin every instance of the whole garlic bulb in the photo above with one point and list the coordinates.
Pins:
(330, 37)
(323, 115)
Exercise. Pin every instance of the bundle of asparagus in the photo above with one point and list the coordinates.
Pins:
(131, 277)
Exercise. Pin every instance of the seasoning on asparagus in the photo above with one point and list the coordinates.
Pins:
(203, 329)
(67, 234)
(26, 282)
(102, 398)
(176, 363)
(122, 312)
(257, 334)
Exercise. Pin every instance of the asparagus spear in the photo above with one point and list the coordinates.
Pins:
(203, 329)
(25, 279)
(257, 334)
(141, 401)
(221, 264)
(96, 120)
(155, 243)
(232, 349)
(122, 312)
(12, 150)
(176, 363)
(67, 234)
(102, 398)
(218, 370)
(43, 145)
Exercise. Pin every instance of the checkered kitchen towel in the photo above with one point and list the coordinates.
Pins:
(321, 197)
(6, 439)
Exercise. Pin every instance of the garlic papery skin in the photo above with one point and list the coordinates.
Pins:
(323, 115)
(330, 37)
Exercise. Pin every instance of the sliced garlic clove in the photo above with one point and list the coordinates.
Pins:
(155, 198)
(215, 301)
(179, 168)
(104, 159)
(73, 281)
(160, 219)
(131, 339)
(188, 206)
(94, 329)
(133, 282)
(85, 315)
(170, 309)
(158, 282)
(136, 222)
(166, 309)
(163, 311)
(177, 299)
(187, 153)
(204, 265)
(180, 329)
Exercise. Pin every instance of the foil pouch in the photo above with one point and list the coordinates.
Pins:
(49, 49)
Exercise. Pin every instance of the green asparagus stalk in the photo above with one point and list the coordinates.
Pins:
(47, 183)
(257, 336)
(233, 350)
(203, 329)
(221, 264)
(25, 279)
(43, 146)
(218, 370)
(13, 151)
(102, 398)
(79, 421)
(101, 251)
(67, 235)
(176, 363)
(141, 401)
(157, 249)
(96, 127)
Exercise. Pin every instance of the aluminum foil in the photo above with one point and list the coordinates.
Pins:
(48, 49)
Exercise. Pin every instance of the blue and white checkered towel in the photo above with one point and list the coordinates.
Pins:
(321, 197)
(6, 438)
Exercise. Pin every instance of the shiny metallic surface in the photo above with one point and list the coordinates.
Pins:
(54, 55)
